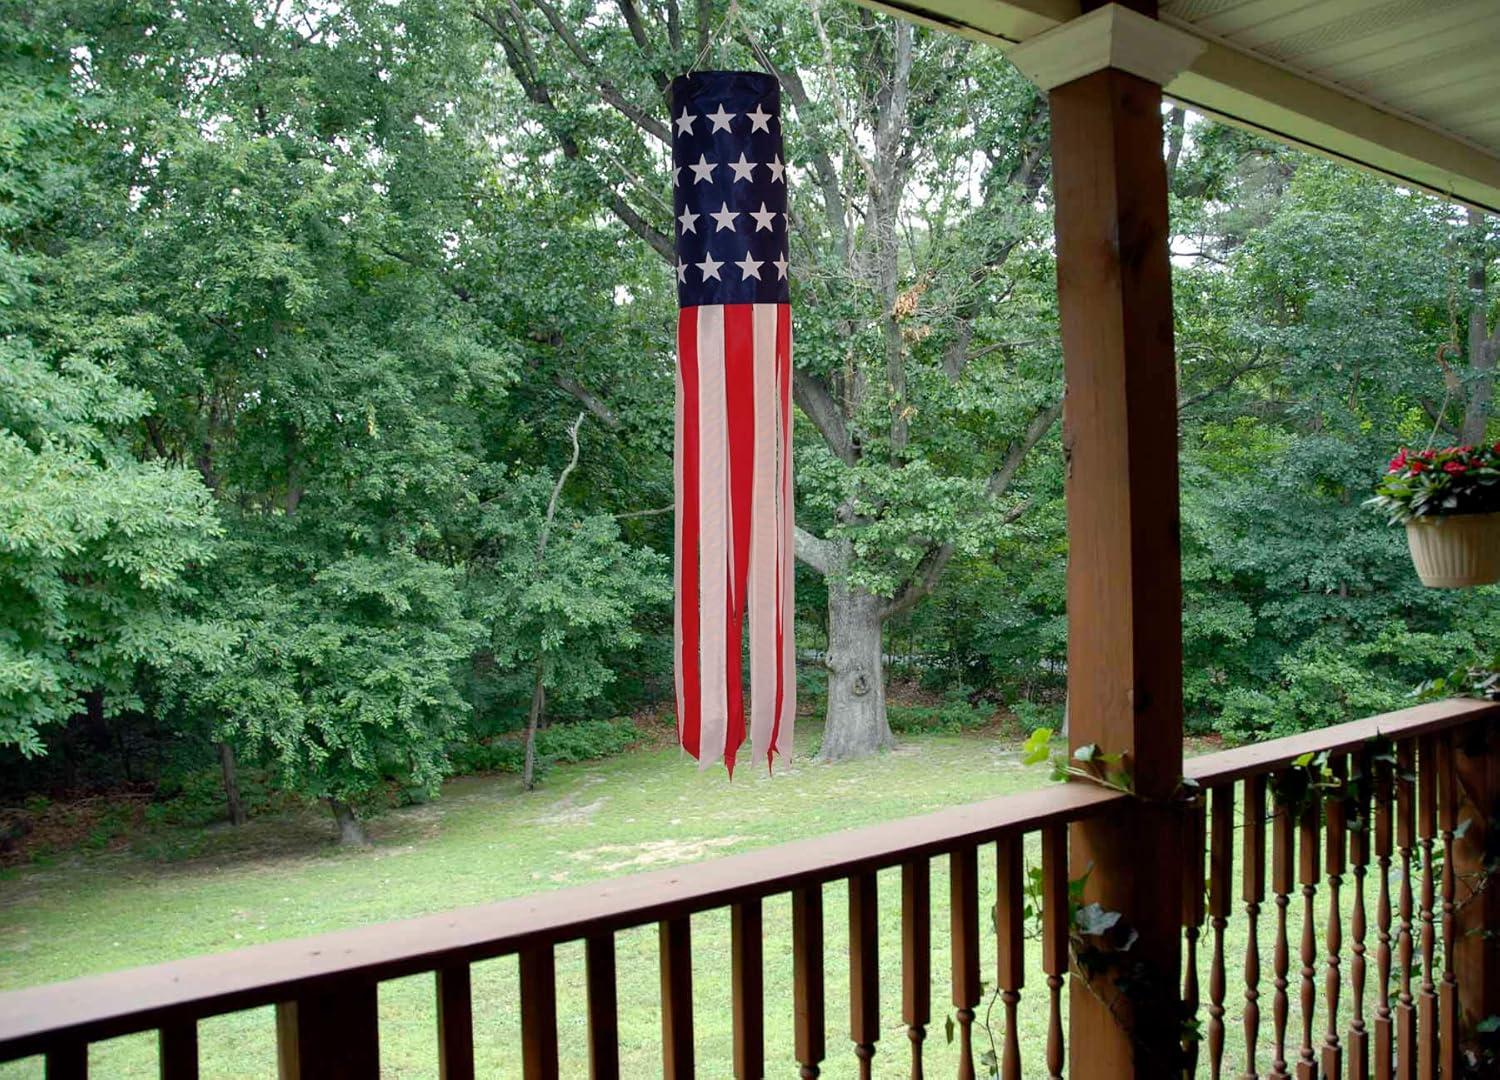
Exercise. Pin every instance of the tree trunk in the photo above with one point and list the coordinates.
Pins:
(533, 718)
(237, 815)
(856, 724)
(351, 830)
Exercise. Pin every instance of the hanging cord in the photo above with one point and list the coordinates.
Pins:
(1452, 347)
(730, 18)
(733, 18)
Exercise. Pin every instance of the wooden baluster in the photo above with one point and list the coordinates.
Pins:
(604, 1013)
(68, 1062)
(1055, 932)
(963, 882)
(747, 977)
(329, 1035)
(1193, 872)
(1427, 1001)
(676, 949)
(1357, 820)
(1309, 873)
(1010, 935)
(1253, 886)
(807, 978)
(1448, 990)
(1282, 865)
(1220, 896)
(1406, 1013)
(177, 1051)
(455, 1022)
(916, 956)
(539, 1010)
(1384, 1052)
(864, 970)
(1476, 773)
(1334, 865)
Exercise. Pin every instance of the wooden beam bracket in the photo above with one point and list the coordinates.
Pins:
(1112, 36)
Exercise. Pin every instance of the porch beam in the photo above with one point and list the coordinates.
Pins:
(1124, 571)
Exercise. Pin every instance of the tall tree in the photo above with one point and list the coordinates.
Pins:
(96, 547)
(924, 359)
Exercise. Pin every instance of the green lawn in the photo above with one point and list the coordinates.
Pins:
(486, 840)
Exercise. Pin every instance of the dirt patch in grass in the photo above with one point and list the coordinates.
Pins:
(651, 853)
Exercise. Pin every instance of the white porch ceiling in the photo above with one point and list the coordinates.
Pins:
(1408, 88)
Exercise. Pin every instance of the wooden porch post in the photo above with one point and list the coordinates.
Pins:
(1120, 440)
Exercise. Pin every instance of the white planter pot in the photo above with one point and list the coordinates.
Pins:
(1455, 552)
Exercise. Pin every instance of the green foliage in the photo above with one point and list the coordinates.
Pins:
(566, 743)
(296, 302)
(1434, 483)
(1306, 346)
(576, 612)
(951, 718)
(95, 545)
(344, 674)
(1037, 747)
(196, 798)
(1034, 717)
(266, 298)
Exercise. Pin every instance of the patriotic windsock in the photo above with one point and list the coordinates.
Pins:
(734, 554)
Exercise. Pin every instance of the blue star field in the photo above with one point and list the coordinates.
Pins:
(729, 189)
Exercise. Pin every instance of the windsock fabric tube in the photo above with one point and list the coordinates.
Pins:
(733, 467)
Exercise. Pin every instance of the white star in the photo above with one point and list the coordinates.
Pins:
(780, 265)
(686, 219)
(724, 219)
(764, 219)
(749, 268)
(685, 122)
(704, 170)
(681, 272)
(777, 168)
(742, 169)
(759, 121)
(677, 176)
(720, 119)
(710, 267)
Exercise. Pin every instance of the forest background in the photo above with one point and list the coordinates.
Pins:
(301, 305)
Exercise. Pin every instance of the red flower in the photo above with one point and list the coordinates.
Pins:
(1418, 465)
(1427, 455)
(1398, 462)
(1456, 468)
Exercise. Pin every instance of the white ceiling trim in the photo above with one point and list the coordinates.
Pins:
(1255, 92)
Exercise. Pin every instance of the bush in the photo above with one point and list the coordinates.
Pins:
(1032, 715)
(586, 740)
(947, 719)
(577, 740)
(197, 797)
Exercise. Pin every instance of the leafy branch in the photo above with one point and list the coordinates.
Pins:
(1087, 762)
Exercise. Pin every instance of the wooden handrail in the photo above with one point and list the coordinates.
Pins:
(1256, 759)
(139, 999)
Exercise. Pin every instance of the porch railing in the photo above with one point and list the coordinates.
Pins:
(1382, 798)
(1384, 791)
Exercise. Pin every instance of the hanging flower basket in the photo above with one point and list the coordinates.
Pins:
(1449, 502)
